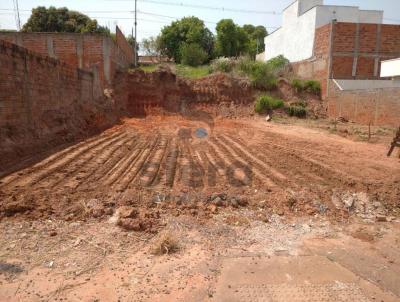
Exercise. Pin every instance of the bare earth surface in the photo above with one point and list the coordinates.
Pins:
(262, 212)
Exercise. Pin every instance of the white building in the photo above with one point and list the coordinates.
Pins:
(295, 39)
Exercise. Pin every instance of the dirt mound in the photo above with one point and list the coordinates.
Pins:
(141, 94)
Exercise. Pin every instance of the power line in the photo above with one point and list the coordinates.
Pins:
(127, 18)
(227, 9)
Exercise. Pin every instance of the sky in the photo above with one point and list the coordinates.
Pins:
(153, 15)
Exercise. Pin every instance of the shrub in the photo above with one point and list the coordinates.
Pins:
(265, 103)
(193, 54)
(311, 86)
(298, 85)
(223, 64)
(298, 111)
(260, 74)
(278, 62)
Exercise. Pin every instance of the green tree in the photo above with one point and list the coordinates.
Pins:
(256, 35)
(193, 54)
(61, 19)
(151, 46)
(226, 44)
(189, 30)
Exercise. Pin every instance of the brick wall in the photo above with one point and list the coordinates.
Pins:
(358, 49)
(88, 51)
(375, 106)
(33, 87)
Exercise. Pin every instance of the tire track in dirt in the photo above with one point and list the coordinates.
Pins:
(69, 158)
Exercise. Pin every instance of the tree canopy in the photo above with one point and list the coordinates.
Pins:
(188, 30)
(233, 40)
(61, 19)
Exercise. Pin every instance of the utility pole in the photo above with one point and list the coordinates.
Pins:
(135, 49)
(16, 11)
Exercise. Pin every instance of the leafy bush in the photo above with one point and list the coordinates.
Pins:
(260, 74)
(265, 103)
(312, 86)
(278, 62)
(193, 54)
(223, 64)
(309, 86)
(298, 111)
(298, 85)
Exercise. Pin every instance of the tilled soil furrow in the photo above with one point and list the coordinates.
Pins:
(122, 167)
(69, 158)
(249, 157)
(185, 165)
(135, 168)
(298, 162)
(272, 161)
(81, 166)
(236, 163)
(170, 163)
(302, 171)
(90, 166)
(211, 170)
(217, 163)
(49, 160)
(111, 159)
(199, 169)
(152, 166)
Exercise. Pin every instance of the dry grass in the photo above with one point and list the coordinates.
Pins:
(165, 243)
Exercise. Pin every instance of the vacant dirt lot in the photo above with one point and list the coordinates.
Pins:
(247, 197)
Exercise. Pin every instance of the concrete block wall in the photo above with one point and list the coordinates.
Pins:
(367, 106)
(32, 86)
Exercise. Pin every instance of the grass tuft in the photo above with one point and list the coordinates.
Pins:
(166, 243)
(266, 103)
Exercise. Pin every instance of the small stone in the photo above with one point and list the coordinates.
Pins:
(127, 212)
(213, 208)
(218, 202)
(53, 233)
(381, 218)
(234, 203)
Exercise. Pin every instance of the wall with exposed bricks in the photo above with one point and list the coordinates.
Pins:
(358, 49)
(87, 51)
(33, 87)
